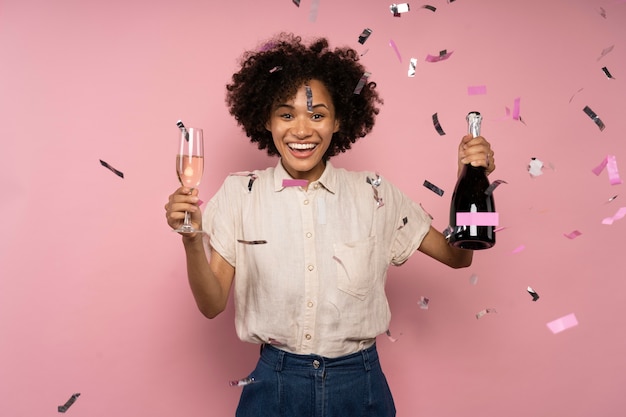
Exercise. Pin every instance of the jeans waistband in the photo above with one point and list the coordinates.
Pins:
(283, 360)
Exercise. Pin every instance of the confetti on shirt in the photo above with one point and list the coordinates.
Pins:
(242, 382)
(295, 183)
(364, 35)
(533, 293)
(610, 163)
(361, 83)
(563, 323)
(423, 302)
(475, 90)
(572, 235)
(395, 48)
(432, 187)
(535, 167)
(375, 183)
(405, 220)
(252, 242)
(246, 174)
(607, 73)
(63, 408)
(443, 55)
(412, 67)
(484, 312)
(593, 116)
(437, 125)
(493, 186)
(619, 215)
(113, 170)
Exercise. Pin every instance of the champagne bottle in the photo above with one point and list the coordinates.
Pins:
(473, 231)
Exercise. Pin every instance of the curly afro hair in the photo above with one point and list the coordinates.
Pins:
(276, 70)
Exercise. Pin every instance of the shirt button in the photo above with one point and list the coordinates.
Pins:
(316, 364)
(316, 186)
(309, 234)
(305, 202)
(307, 336)
(309, 304)
(310, 267)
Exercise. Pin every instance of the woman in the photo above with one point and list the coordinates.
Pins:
(307, 245)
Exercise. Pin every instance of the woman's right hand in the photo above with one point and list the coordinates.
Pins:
(183, 200)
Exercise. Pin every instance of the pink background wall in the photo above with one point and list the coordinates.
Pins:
(93, 293)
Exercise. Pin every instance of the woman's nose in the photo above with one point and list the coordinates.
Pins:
(302, 128)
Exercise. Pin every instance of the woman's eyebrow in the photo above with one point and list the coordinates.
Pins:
(290, 106)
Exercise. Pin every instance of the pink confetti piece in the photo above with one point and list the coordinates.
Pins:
(572, 235)
(605, 51)
(477, 219)
(498, 229)
(619, 215)
(423, 302)
(519, 249)
(443, 55)
(390, 337)
(476, 90)
(610, 163)
(295, 183)
(516, 109)
(395, 48)
(562, 323)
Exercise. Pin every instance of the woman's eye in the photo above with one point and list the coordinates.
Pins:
(317, 116)
(285, 116)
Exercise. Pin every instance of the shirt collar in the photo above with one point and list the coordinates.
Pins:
(328, 179)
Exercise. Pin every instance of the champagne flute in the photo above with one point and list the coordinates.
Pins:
(189, 166)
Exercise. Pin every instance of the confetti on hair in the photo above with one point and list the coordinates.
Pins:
(242, 382)
(437, 125)
(493, 186)
(610, 162)
(605, 51)
(295, 183)
(275, 69)
(535, 167)
(473, 279)
(395, 48)
(618, 215)
(391, 338)
(309, 99)
(365, 35)
(113, 170)
(361, 83)
(429, 7)
(475, 90)
(607, 73)
(594, 117)
(63, 408)
(432, 187)
(398, 9)
(533, 293)
(562, 323)
(481, 313)
(252, 242)
(423, 302)
(412, 67)
(572, 235)
(443, 55)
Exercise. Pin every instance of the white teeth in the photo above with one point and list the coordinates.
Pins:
(302, 145)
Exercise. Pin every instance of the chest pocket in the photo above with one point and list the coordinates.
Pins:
(357, 266)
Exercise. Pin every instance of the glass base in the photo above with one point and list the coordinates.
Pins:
(186, 228)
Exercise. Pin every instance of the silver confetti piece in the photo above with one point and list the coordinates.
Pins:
(533, 293)
(432, 187)
(594, 117)
(493, 186)
(309, 99)
(364, 35)
(242, 382)
(485, 311)
(607, 73)
(113, 170)
(361, 83)
(252, 242)
(438, 125)
(63, 408)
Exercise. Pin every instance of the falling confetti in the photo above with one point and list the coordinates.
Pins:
(533, 293)
(519, 249)
(429, 7)
(605, 51)
(364, 35)
(395, 48)
(113, 170)
(391, 338)
(432, 187)
(63, 408)
(535, 167)
(437, 125)
(475, 90)
(562, 323)
(398, 9)
(443, 55)
(361, 83)
(610, 163)
(493, 186)
(412, 67)
(183, 129)
(473, 279)
(296, 2)
(315, 5)
(242, 382)
(484, 312)
(572, 235)
(594, 117)
(309, 99)
(607, 73)
(423, 302)
(619, 215)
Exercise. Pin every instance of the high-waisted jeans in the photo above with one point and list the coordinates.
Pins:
(290, 385)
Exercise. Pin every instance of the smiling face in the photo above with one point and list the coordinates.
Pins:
(302, 137)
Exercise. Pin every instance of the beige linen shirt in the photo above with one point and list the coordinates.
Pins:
(311, 265)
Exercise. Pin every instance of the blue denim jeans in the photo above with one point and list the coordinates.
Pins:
(289, 385)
